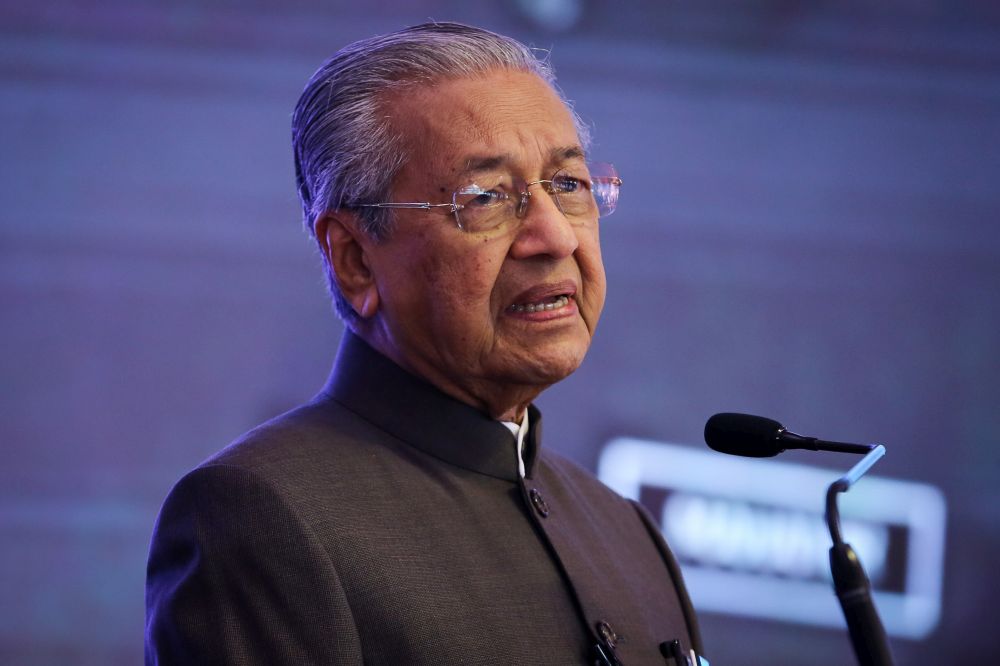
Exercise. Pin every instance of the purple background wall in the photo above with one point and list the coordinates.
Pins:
(809, 230)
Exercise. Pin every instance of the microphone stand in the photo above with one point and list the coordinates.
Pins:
(850, 581)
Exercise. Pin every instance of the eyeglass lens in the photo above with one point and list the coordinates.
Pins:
(581, 194)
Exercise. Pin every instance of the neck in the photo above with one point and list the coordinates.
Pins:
(501, 401)
(514, 416)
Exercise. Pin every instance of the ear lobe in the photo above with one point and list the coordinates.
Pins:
(344, 247)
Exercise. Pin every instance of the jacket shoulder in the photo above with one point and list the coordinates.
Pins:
(321, 433)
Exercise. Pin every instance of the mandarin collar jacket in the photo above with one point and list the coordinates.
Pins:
(386, 523)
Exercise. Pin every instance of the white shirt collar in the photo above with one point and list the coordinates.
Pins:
(519, 432)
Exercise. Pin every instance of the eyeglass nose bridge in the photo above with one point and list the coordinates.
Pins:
(522, 199)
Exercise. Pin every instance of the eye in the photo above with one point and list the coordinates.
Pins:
(563, 183)
(474, 196)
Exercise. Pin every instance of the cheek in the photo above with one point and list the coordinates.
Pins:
(430, 272)
(588, 255)
(465, 279)
(424, 266)
(592, 272)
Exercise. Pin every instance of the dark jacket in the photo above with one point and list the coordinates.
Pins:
(386, 523)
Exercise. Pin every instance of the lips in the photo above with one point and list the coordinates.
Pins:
(545, 297)
(554, 304)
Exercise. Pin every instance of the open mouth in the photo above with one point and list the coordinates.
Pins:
(547, 304)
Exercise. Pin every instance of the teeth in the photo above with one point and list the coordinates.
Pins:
(560, 302)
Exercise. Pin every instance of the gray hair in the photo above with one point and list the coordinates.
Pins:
(346, 152)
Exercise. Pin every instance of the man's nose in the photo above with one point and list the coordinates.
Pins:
(544, 228)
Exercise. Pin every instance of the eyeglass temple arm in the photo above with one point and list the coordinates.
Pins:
(422, 205)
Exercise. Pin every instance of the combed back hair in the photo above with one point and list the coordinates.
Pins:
(347, 153)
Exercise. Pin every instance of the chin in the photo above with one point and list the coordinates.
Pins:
(545, 369)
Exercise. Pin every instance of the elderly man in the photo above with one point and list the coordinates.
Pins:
(408, 514)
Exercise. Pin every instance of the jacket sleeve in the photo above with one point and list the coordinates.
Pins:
(235, 577)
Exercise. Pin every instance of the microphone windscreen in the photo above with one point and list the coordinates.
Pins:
(743, 435)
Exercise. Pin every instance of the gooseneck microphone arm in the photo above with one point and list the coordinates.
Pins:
(759, 437)
(844, 483)
(850, 582)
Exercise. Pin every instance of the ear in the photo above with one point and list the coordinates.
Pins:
(345, 247)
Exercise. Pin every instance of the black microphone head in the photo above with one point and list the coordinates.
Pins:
(743, 435)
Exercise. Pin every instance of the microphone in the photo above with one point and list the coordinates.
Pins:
(759, 437)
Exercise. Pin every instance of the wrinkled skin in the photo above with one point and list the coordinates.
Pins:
(438, 300)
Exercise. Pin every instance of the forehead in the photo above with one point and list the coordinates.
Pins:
(510, 118)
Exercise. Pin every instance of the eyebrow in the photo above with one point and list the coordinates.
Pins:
(480, 164)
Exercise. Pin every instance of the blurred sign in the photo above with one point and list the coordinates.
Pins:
(752, 540)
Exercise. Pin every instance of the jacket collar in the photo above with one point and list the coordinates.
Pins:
(415, 412)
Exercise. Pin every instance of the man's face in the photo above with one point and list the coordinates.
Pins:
(449, 301)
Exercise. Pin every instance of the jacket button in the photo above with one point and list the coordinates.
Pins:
(607, 634)
(539, 503)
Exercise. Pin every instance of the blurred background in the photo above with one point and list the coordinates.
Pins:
(808, 230)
